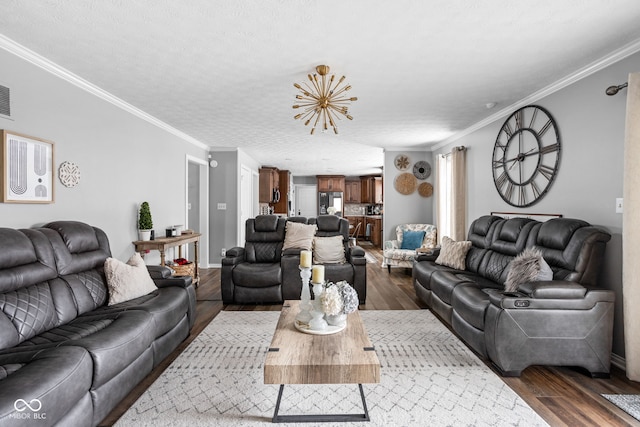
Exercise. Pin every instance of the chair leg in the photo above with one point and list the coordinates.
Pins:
(389, 268)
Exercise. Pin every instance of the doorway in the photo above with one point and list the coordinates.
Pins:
(196, 212)
(306, 197)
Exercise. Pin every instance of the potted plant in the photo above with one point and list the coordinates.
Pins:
(145, 223)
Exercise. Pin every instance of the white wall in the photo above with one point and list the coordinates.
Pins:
(400, 208)
(590, 177)
(123, 159)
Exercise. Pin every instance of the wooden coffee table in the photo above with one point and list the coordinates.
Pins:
(346, 357)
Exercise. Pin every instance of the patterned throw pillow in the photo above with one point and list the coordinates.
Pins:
(528, 266)
(412, 239)
(453, 254)
(298, 235)
(127, 281)
(328, 250)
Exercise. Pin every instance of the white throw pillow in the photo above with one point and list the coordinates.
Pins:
(127, 281)
(298, 235)
(328, 250)
(453, 254)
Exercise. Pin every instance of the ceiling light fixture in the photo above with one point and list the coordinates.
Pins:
(323, 101)
(612, 90)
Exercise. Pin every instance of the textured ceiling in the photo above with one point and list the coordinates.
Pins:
(222, 72)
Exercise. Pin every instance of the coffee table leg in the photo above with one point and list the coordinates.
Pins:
(320, 418)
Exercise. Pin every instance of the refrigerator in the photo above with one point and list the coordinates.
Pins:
(330, 199)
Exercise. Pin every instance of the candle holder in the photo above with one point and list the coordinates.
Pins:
(317, 322)
(304, 316)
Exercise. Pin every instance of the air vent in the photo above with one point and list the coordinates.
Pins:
(5, 101)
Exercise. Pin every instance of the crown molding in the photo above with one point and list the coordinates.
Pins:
(615, 56)
(55, 69)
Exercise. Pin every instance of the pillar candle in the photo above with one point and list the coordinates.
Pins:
(317, 274)
(305, 259)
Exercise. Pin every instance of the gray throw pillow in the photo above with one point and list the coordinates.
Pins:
(528, 266)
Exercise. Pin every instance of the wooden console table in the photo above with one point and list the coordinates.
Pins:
(164, 243)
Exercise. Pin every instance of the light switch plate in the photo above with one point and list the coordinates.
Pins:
(619, 205)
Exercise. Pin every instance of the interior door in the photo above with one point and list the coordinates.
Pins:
(306, 201)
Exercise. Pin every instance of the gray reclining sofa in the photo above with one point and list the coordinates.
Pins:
(567, 321)
(66, 357)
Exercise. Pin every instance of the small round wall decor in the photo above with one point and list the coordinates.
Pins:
(425, 189)
(402, 162)
(69, 174)
(422, 169)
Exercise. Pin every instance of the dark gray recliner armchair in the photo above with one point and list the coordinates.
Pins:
(253, 274)
(354, 271)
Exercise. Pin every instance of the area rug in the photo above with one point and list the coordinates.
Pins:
(428, 377)
(630, 403)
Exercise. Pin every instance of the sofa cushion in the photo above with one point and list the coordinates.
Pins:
(257, 275)
(452, 253)
(328, 250)
(526, 267)
(412, 240)
(470, 302)
(299, 235)
(127, 281)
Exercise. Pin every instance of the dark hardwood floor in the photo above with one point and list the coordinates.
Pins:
(562, 396)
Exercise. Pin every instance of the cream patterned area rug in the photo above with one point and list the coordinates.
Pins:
(428, 378)
(630, 403)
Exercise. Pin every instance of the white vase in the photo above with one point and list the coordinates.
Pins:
(144, 235)
(336, 320)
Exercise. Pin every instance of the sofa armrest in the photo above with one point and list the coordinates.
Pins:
(427, 256)
(356, 256)
(233, 256)
(180, 281)
(550, 295)
(391, 244)
(553, 289)
(159, 271)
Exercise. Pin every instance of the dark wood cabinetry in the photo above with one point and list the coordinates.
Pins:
(330, 183)
(376, 230)
(282, 206)
(269, 184)
(354, 221)
(352, 192)
(371, 189)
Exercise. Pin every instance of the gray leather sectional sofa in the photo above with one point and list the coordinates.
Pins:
(567, 321)
(66, 357)
(262, 272)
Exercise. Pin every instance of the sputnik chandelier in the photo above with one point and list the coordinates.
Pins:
(323, 101)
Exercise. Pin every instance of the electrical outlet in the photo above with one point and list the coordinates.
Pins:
(222, 206)
(223, 252)
(619, 205)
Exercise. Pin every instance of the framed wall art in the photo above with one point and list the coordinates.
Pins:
(27, 169)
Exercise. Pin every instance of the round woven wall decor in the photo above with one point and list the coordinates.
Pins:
(405, 183)
(69, 174)
(402, 162)
(425, 189)
(422, 169)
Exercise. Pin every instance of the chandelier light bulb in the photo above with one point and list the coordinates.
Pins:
(323, 101)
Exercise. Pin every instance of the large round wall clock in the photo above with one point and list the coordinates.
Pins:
(526, 156)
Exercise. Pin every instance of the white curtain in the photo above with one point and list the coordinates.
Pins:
(631, 230)
(451, 200)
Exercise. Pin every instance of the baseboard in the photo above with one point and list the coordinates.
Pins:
(619, 362)
(214, 266)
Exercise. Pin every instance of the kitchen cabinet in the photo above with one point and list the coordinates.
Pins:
(376, 230)
(371, 189)
(282, 206)
(352, 192)
(269, 185)
(330, 183)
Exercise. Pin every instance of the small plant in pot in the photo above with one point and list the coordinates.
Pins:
(145, 223)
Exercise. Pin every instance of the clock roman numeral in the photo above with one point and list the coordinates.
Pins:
(509, 191)
(550, 148)
(519, 118)
(522, 195)
(533, 118)
(501, 180)
(507, 129)
(546, 171)
(545, 128)
(535, 190)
